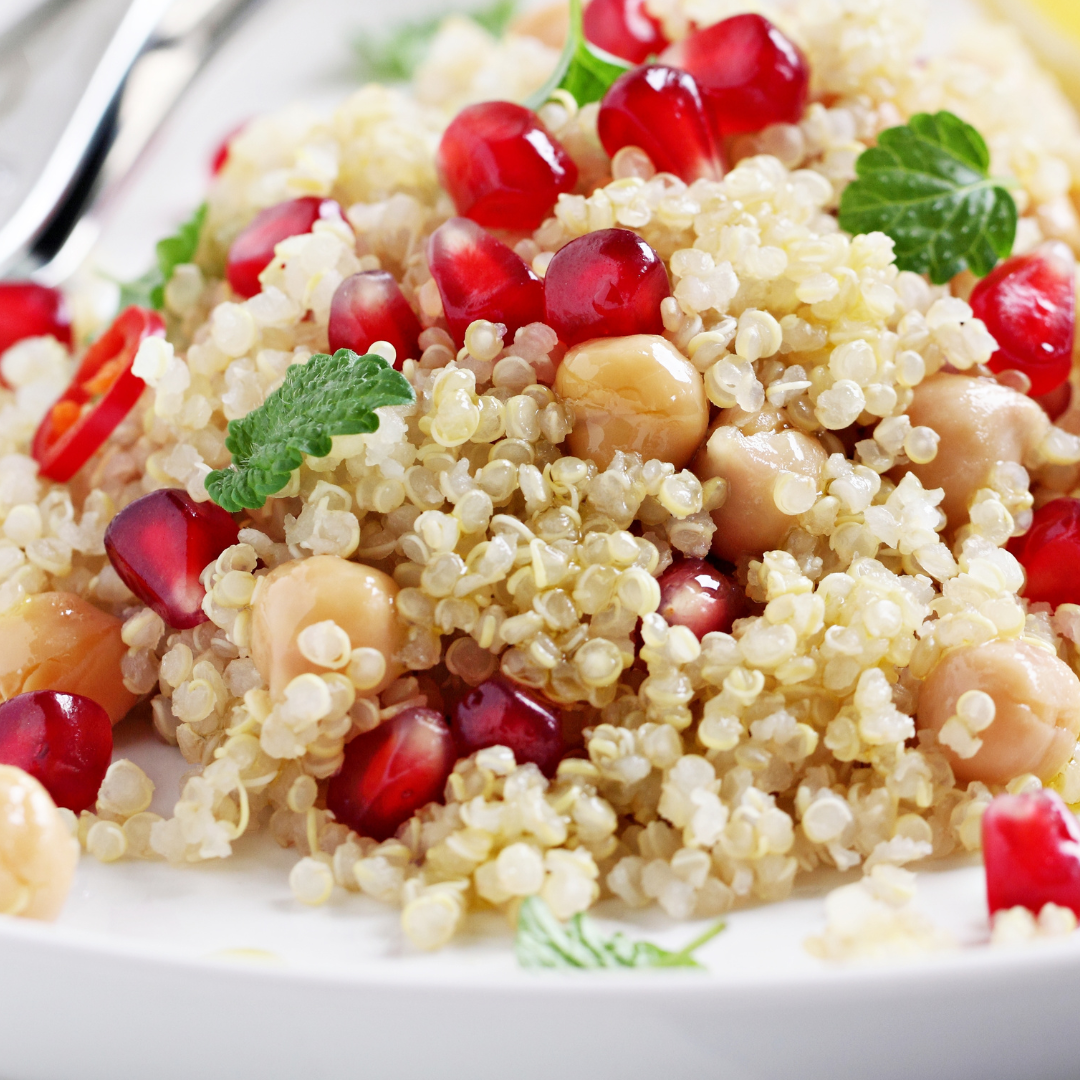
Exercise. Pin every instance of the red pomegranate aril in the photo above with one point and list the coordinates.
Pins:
(159, 546)
(479, 277)
(1056, 403)
(660, 110)
(624, 28)
(502, 167)
(1050, 553)
(391, 772)
(30, 310)
(253, 249)
(1031, 848)
(370, 307)
(693, 593)
(499, 712)
(605, 284)
(62, 740)
(221, 154)
(1029, 305)
(751, 75)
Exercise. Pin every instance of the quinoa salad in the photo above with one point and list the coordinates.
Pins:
(638, 459)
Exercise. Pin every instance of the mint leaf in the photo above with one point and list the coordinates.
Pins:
(149, 289)
(927, 184)
(327, 396)
(544, 942)
(583, 70)
(394, 56)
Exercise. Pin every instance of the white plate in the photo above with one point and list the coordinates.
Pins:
(215, 971)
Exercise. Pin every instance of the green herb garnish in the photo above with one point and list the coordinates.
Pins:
(583, 70)
(327, 396)
(394, 56)
(928, 186)
(149, 290)
(544, 942)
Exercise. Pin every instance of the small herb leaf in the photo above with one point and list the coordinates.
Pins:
(149, 289)
(544, 942)
(927, 184)
(583, 70)
(327, 396)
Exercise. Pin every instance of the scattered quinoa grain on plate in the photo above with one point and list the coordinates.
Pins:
(659, 482)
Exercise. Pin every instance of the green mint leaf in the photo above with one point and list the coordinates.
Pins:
(583, 70)
(327, 396)
(927, 185)
(394, 56)
(544, 942)
(149, 289)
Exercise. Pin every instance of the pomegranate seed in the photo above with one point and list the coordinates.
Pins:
(29, 310)
(391, 772)
(750, 74)
(499, 712)
(1031, 847)
(695, 594)
(252, 251)
(1050, 553)
(370, 307)
(160, 544)
(605, 284)
(624, 28)
(660, 109)
(1029, 304)
(1057, 402)
(502, 167)
(62, 740)
(480, 278)
(221, 154)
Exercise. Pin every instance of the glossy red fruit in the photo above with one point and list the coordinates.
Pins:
(499, 712)
(502, 167)
(160, 544)
(1031, 848)
(391, 772)
(62, 740)
(1050, 553)
(370, 307)
(478, 277)
(750, 74)
(1057, 401)
(660, 109)
(605, 284)
(30, 310)
(221, 154)
(693, 593)
(1029, 305)
(624, 28)
(253, 249)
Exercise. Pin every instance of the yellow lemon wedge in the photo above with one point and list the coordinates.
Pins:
(1052, 29)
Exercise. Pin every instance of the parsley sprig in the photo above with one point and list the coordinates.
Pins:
(927, 184)
(327, 396)
(180, 247)
(544, 942)
(583, 70)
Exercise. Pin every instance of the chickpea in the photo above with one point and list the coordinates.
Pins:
(37, 853)
(750, 522)
(980, 423)
(636, 394)
(549, 23)
(58, 641)
(360, 599)
(1037, 709)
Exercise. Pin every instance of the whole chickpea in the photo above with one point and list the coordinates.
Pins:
(980, 423)
(1036, 709)
(360, 599)
(635, 394)
(37, 853)
(750, 522)
(58, 641)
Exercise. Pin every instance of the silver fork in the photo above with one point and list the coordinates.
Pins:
(83, 86)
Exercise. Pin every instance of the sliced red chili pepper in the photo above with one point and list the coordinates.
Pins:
(102, 393)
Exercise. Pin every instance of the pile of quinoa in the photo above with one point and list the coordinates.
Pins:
(713, 772)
